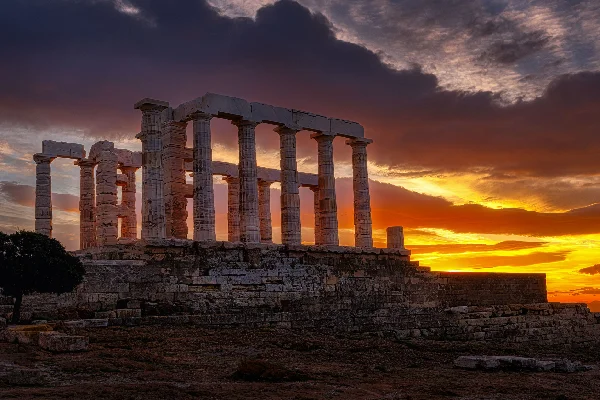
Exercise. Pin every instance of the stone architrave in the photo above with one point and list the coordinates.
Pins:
(87, 204)
(173, 161)
(395, 237)
(363, 228)
(264, 211)
(290, 196)
(107, 220)
(248, 175)
(129, 220)
(43, 194)
(315, 190)
(204, 200)
(153, 205)
(327, 199)
(233, 208)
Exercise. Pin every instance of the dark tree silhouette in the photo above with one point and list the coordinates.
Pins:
(32, 262)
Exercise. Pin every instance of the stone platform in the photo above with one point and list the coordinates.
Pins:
(335, 288)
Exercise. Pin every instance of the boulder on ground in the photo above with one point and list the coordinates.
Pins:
(57, 342)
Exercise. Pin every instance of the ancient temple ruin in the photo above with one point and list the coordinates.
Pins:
(165, 160)
(161, 278)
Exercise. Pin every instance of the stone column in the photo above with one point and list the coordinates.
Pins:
(290, 196)
(395, 237)
(173, 161)
(327, 200)
(107, 220)
(153, 204)
(129, 221)
(363, 227)
(87, 204)
(233, 208)
(315, 190)
(264, 211)
(204, 199)
(248, 175)
(43, 194)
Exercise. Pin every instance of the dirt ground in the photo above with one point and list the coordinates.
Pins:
(193, 363)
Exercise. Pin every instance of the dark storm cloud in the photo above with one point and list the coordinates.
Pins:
(83, 64)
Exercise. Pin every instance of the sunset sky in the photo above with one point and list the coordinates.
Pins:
(485, 114)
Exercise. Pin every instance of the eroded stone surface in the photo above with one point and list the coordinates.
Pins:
(363, 229)
(63, 149)
(57, 342)
(327, 199)
(395, 237)
(248, 176)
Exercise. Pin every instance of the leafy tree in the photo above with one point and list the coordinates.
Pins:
(32, 262)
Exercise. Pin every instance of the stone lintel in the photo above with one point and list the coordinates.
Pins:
(63, 149)
(234, 108)
(128, 158)
(149, 104)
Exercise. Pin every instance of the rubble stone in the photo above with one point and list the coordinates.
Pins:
(61, 343)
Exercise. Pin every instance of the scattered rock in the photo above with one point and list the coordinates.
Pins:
(2, 323)
(60, 343)
(86, 323)
(260, 370)
(512, 363)
(24, 334)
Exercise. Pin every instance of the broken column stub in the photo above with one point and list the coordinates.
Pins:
(43, 194)
(153, 206)
(395, 237)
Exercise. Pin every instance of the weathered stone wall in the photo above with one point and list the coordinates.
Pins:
(488, 288)
(297, 287)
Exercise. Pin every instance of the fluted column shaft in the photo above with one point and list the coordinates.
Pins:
(327, 199)
(248, 175)
(43, 194)
(264, 211)
(233, 208)
(363, 227)
(107, 220)
(87, 204)
(173, 154)
(204, 200)
(315, 190)
(291, 229)
(129, 220)
(153, 204)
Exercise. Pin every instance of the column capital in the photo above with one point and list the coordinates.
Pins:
(323, 136)
(42, 158)
(285, 130)
(199, 116)
(314, 189)
(359, 142)
(151, 105)
(244, 122)
(265, 183)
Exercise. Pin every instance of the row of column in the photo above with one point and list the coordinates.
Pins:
(99, 210)
(250, 212)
